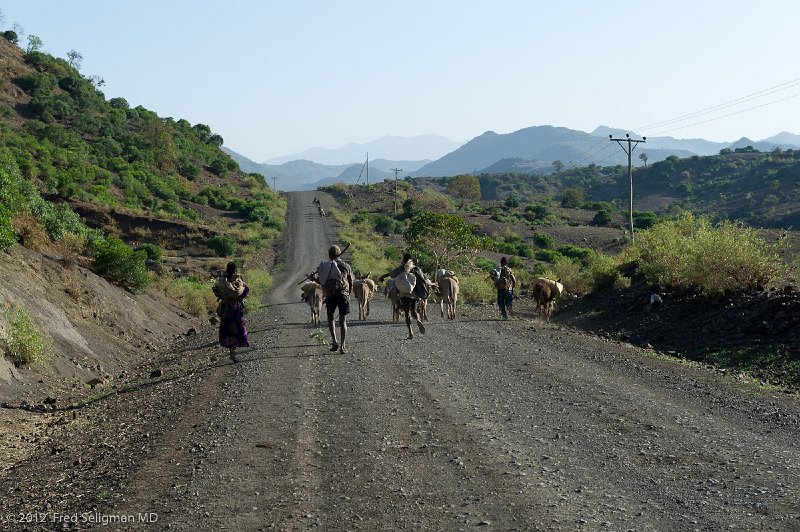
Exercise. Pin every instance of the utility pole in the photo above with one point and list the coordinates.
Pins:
(629, 150)
(395, 170)
(367, 169)
(274, 184)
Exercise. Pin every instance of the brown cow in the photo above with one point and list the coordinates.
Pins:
(545, 291)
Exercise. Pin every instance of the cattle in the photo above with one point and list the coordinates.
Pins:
(312, 295)
(448, 293)
(545, 291)
(363, 289)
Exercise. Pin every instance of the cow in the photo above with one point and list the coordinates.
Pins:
(363, 289)
(545, 291)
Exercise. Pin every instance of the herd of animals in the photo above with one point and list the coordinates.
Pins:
(444, 286)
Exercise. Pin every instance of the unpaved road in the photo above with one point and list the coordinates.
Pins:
(479, 423)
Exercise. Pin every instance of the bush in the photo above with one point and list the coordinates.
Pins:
(484, 264)
(121, 265)
(30, 232)
(259, 281)
(192, 295)
(476, 288)
(153, 252)
(222, 245)
(11, 36)
(544, 241)
(575, 280)
(692, 252)
(602, 218)
(548, 255)
(23, 343)
(644, 220)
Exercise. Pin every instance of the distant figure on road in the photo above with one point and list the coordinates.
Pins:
(336, 278)
(231, 291)
(410, 283)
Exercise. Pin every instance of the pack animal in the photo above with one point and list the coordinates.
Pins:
(364, 289)
(448, 293)
(544, 292)
(312, 295)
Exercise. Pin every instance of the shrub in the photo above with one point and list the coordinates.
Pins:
(575, 280)
(476, 288)
(603, 270)
(23, 343)
(71, 247)
(259, 281)
(548, 255)
(544, 241)
(121, 265)
(153, 252)
(644, 219)
(484, 264)
(30, 232)
(222, 245)
(602, 218)
(192, 295)
(515, 262)
(11, 36)
(691, 251)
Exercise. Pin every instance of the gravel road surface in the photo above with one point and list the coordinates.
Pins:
(481, 423)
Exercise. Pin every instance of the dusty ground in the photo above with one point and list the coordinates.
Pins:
(506, 425)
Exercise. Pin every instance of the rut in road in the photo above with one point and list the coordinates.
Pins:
(512, 425)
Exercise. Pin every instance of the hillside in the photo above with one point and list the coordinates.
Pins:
(112, 221)
(538, 143)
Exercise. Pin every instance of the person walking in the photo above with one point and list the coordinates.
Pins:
(410, 290)
(505, 283)
(231, 291)
(336, 278)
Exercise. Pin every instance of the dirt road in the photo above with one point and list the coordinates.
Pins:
(478, 423)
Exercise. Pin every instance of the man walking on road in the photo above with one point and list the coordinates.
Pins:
(336, 279)
(505, 283)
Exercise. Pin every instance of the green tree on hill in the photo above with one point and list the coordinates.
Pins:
(465, 187)
(440, 239)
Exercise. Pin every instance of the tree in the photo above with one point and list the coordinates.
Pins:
(643, 156)
(34, 44)
(465, 187)
(19, 30)
(559, 166)
(443, 238)
(572, 197)
(75, 59)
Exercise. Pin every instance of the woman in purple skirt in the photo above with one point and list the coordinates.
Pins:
(231, 291)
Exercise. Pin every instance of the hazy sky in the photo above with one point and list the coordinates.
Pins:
(277, 77)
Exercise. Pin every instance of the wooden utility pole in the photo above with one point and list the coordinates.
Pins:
(395, 170)
(629, 150)
(274, 184)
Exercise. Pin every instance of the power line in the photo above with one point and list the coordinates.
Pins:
(724, 105)
(632, 143)
(727, 115)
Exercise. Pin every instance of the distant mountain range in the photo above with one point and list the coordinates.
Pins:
(420, 147)
(530, 150)
(303, 174)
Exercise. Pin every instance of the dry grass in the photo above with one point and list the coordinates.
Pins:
(71, 248)
(72, 286)
(30, 232)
